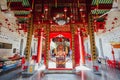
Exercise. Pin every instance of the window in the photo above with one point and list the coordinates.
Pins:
(5, 45)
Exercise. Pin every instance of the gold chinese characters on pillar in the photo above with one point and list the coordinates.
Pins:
(92, 38)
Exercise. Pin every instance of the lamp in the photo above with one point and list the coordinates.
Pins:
(60, 19)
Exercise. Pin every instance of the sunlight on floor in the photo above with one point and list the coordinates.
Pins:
(82, 68)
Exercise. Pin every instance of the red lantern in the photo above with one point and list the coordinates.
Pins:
(65, 9)
(46, 8)
(81, 8)
(72, 21)
(42, 16)
(39, 22)
(0, 24)
(71, 15)
(115, 18)
(113, 22)
(83, 15)
(51, 21)
(6, 19)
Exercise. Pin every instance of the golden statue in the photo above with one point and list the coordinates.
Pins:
(60, 56)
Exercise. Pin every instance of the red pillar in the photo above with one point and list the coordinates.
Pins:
(81, 47)
(76, 52)
(39, 47)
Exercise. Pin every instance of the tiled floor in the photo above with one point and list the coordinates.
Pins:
(82, 73)
(61, 77)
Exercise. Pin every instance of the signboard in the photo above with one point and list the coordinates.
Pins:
(59, 28)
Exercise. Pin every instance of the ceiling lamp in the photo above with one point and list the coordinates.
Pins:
(60, 19)
(61, 22)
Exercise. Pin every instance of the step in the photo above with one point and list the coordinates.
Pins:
(59, 71)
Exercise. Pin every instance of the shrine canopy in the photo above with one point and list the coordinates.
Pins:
(60, 34)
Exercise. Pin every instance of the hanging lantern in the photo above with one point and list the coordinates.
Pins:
(39, 22)
(51, 21)
(83, 15)
(113, 23)
(46, 8)
(0, 24)
(9, 24)
(6, 19)
(42, 16)
(73, 21)
(71, 15)
(95, 21)
(112, 27)
(65, 9)
(81, 9)
(115, 18)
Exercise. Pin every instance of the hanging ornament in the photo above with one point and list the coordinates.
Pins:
(71, 15)
(115, 19)
(81, 9)
(65, 9)
(0, 24)
(113, 23)
(6, 19)
(46, 8)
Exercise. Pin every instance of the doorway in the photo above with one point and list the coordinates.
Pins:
(60, 53)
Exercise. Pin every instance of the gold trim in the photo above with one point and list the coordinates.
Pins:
(115, 44)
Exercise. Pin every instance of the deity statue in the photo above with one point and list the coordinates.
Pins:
(60, 51)
(60, 56)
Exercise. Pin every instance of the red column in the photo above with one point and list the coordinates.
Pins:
(76, 52)
(81, 47)
(39, 47)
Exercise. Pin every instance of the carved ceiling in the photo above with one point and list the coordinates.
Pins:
(57, 11)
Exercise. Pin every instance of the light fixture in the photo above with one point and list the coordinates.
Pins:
(60, 19)
(61, 22)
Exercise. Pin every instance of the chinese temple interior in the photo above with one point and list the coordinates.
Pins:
(59, 39)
